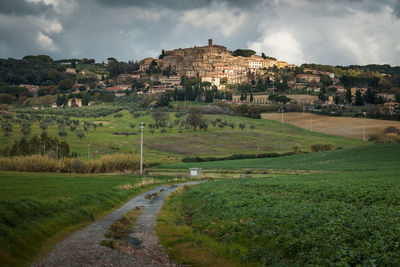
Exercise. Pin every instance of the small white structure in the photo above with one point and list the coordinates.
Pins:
(195, 171)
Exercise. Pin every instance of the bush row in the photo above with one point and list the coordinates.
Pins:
(384, 138)
(36, 163)
(237, 156)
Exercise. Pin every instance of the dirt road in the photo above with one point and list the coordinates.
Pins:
(83, 247)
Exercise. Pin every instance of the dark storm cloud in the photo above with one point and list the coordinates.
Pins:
(396, 8)
(322, 31)
(176, 4)
(21, 7)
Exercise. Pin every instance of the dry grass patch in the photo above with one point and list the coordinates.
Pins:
(119, 230)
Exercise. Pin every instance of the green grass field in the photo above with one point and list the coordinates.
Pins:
(345, 217)
(267, 136)
(38, 209)
(350, 159)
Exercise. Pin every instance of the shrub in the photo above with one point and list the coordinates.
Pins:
(296, 149)
(321, 147)
(382, 138)
(236, 156)
(77, 165)
(392, 130)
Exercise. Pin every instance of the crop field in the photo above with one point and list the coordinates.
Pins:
(346, 217)
(258, 136)
(38, 209)
(342, 126)
(357, 158)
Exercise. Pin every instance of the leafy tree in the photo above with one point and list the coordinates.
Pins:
(337, 100)
(263, 55)
(370, 96)
(279, 98)
(164, 100)
(243, 53)
(73, 127)
(195, 118)
(65, 85)
(321, 96)
(7, 128)
(43, 125)
(397, 96)
(6, 99)
(62, 132)
(209, 96)
(206, 84)
(162, 54)
(359, 99)
(63, 149)
(160, 118)
(348, 96)
(245, 88)
(331, 90)
(26, 128)
(242, 126)
(80, 134)
(60, 100)
(260, 86)
(85, 99)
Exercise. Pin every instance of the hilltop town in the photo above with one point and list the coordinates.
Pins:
(214, 64)
(199, 73)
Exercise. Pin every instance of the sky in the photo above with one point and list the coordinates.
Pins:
(335, 32)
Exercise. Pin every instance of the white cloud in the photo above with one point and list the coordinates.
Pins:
(280, 44)
(51, 27)
(46, 42)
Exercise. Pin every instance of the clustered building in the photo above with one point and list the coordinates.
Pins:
(212, 63)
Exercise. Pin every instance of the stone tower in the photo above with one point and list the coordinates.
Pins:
(210, 42)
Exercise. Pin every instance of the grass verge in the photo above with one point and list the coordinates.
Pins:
(38, 210)
(183, 243)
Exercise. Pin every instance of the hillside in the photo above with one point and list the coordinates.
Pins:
(258, 136)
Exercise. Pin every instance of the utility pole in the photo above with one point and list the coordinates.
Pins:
(282, 113)
(141, 147)
(44, 149)
(88, 153)
(364, 126)
(311, 122)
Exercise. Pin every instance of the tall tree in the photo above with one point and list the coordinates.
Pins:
(195, 118)
(160, 118)
(348, 96)
(359, 99)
